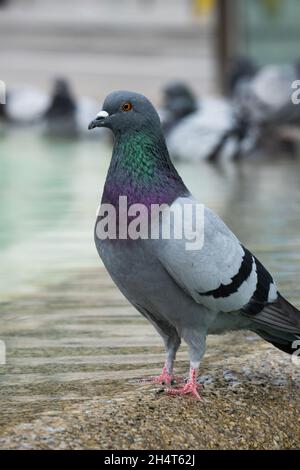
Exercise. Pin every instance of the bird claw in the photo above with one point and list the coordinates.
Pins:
(162, 379)
(165, 378)
(189, 388)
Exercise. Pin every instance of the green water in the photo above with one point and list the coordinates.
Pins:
(50, 190)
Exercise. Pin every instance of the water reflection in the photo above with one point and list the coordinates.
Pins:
(49, 191)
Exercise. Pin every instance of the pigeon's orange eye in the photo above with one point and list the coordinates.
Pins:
(126, 107)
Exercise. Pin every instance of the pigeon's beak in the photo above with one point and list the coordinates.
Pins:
(99, 120)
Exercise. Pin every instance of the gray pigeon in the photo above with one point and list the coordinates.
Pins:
(185, 293)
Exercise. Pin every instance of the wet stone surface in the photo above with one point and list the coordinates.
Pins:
(76, 351)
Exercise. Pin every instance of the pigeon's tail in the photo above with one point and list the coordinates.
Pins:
(279, 324)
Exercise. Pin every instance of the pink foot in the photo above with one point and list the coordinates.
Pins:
(165, 378)
(191, 387)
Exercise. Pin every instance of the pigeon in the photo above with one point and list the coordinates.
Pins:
(241, 70)
(241, 73)
(198, 129)
(179, 101)
(266, 98)
(61, 114)
(185, 293)
(66, 115)
(25, 105)
(264, 107)
(198, 135)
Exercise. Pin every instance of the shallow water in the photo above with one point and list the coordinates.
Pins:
(49, 194)
(69, 333)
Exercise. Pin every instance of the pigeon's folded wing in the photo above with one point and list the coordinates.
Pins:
(222, 275)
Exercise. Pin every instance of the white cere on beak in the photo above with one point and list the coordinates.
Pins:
(102, 114)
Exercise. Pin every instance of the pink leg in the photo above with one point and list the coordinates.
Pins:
(165, 378)
(191, 387)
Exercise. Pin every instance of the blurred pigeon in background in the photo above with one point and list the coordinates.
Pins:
(264, 105)
(66, 115)
(58, 114)
(25, 105)
(241, 71)
(179, 101)
(194, 128)
(61, 113)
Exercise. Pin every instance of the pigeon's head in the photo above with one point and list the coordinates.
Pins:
(61, 87)
(179, 100)
(240, 68)
(126, 111)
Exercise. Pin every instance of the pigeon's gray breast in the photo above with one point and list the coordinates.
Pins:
(142, 279)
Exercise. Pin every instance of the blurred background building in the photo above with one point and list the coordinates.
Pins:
(107, 44)
(267, 31)
(139, 44)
